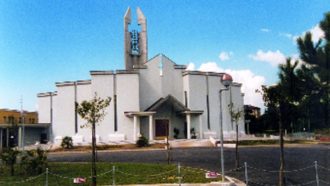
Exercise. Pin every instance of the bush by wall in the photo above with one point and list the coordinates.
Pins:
(142, 142)
(67, 143)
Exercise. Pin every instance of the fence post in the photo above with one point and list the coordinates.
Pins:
(179, 174)
(46, 184)
(113, 175)
(246, 174)
(316, 174)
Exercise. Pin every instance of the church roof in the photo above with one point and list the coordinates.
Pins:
(178, 106)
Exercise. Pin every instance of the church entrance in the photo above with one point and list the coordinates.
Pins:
(162, 128)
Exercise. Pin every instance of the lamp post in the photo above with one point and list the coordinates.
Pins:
(23, 126)
(226, 80)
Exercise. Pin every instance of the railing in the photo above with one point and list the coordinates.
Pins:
(310, 175)
(318, 175)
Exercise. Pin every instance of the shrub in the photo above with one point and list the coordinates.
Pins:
(193, 133)
(176, 133)
(67, 143)
(34, 161)
(9, 157)
(322, 132)
(142, 142)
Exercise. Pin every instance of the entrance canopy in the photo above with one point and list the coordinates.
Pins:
(156, 107)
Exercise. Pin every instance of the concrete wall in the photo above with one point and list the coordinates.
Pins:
(171, 80)
(84, 93)
(103, 85)
(64, 111)
(150, 83)
(196, 88)
(127, 100)
(159, 80)
(197, 85)
(233, 95)
(44, 109)
(214, 88)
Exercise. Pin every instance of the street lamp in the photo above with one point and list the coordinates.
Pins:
(23, 126)
(226, 80)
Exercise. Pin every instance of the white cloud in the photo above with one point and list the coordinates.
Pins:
(287, 35)
(273, 57)
(264, 30)
(224, 56)
(190, 66)
(210, 67)
(317, 33)
(250, 81)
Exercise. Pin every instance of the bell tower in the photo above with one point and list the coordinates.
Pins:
(135, 42)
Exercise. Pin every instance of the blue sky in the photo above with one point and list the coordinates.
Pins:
(48, 41)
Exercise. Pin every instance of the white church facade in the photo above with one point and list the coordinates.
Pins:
(152, 97)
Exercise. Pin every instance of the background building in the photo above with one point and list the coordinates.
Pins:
(252, 119)
(14, 122)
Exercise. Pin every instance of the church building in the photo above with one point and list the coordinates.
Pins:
(153, 97)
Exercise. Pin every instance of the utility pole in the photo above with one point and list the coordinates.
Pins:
(22, 121)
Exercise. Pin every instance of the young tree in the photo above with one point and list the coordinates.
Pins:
(272, 98)
(236, 115)
(93, 112)
(284, 97)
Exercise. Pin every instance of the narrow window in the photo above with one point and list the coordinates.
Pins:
(185, 99)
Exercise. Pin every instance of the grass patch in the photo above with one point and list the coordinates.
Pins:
(126, 173)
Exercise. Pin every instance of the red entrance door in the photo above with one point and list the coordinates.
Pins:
(162, 128)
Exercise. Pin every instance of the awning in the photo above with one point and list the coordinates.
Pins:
(37, 125)
(130, 114)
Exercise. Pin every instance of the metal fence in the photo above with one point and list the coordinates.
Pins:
(310, 175)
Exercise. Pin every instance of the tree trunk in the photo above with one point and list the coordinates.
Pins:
(168, 147)
(281, 181)
(93, 155)
(236, 148)
(12, 169)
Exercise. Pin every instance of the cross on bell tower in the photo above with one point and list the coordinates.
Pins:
(135, 43)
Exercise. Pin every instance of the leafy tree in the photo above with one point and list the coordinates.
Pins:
(93, 112)
(301, 88)
(317, 68)
(290, 89)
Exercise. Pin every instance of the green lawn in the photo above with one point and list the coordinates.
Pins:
(126, 173)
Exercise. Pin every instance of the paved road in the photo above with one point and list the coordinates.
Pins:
(267, 158)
